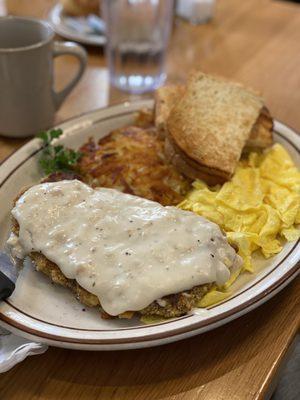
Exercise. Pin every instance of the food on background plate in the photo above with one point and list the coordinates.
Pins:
(132, 160)
(209, 124)
(81, 7)
(120, 252)
(258, 208)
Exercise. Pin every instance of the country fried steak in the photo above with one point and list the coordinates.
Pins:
(170, 306)
(132, 160)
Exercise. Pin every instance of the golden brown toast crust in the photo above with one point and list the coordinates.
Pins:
(262, 132)
(213, 120)
(166, 98)
(189, 167)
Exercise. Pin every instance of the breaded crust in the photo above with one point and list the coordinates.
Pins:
(213, 120)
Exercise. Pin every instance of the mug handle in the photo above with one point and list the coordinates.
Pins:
(62, 48)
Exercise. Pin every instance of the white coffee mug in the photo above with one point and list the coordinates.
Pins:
(27, 99)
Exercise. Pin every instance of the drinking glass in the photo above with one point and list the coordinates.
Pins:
(137, 37)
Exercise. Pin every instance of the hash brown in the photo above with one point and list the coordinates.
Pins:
(132, 160)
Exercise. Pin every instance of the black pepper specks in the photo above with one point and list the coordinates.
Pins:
(212, 255)
(127, 253)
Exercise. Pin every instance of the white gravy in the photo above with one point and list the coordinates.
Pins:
(126, 250)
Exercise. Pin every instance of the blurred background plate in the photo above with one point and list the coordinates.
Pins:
(86, 30)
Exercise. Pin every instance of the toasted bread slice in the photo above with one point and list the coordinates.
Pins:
(166, 98)
(189, 167)
(212, 122)
(262, 132)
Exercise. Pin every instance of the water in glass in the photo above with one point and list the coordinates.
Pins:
(138, 32)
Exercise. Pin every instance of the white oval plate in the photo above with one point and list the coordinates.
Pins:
(58, 21)
(48, 313)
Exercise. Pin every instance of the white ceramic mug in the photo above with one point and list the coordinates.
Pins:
(27, 98)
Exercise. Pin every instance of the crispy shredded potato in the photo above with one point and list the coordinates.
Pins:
(132, 160)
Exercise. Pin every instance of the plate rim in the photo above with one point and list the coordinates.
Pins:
(188, 330)
(138, 345)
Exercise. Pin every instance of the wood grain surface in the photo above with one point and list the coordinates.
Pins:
(256, 42)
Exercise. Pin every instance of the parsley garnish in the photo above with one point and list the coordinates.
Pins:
(56, 158)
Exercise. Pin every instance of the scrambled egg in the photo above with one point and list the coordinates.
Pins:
(258, 209)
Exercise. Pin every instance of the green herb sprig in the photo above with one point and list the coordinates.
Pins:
(56, 158)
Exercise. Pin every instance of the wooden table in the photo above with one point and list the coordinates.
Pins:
(256, 42)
